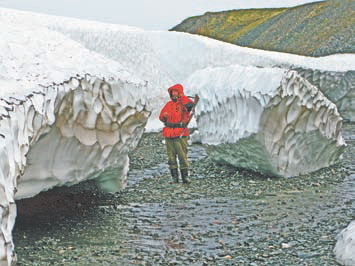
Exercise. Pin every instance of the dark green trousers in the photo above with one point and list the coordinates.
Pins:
(177, 148)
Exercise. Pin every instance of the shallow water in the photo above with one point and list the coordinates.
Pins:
(221, 219)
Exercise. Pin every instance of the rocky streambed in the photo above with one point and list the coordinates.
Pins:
(225, 217)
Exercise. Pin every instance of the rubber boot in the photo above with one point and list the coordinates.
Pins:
(184, 176)
(175, 175)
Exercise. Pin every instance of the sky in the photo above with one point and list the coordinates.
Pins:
(146, 14)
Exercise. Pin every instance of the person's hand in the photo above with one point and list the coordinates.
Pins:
(165, 115)
(196, 99)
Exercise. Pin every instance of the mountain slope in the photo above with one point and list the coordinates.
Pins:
(315, 29)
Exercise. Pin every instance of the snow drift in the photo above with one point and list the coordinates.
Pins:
(76, 95)
(163, 58)
(60, 125)
(267, 120)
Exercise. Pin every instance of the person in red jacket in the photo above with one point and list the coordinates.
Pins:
(175, 115)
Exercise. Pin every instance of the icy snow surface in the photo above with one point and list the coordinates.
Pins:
(66, 114)
(75, 96)
(163, 58)
(274, 122)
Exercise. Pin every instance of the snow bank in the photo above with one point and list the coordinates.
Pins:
(266, 120)
(345, 247)
(164, 58)
(60, 125)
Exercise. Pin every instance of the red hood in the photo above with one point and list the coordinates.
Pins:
(177, 87)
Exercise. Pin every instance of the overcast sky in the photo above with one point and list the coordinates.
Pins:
(146, 14)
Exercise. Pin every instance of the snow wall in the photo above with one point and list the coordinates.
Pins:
(76, 96)
(339, 87)
(287, 128)
(60, 125)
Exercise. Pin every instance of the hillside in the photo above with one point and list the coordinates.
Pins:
(315, 29)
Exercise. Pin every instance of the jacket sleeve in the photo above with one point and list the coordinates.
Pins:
(165, 108)
(187, 103)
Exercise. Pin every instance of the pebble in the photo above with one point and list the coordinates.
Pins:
(285, 245)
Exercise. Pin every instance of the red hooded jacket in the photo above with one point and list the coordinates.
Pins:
(178, 113)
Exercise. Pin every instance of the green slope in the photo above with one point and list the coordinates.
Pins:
(315, 29)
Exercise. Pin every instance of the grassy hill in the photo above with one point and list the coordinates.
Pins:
(314, 29)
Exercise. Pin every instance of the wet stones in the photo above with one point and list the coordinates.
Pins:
(224, 217)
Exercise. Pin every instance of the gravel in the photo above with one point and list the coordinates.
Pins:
(227, 216)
